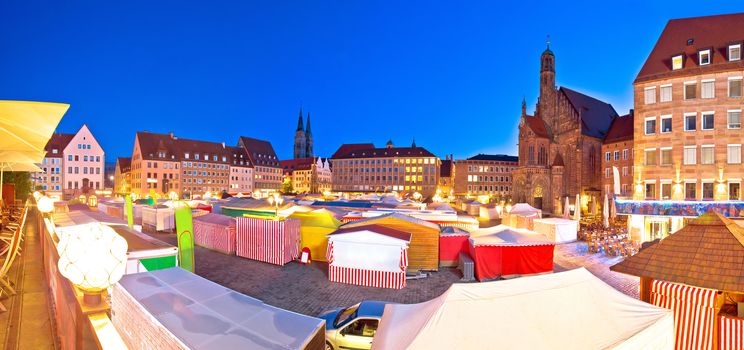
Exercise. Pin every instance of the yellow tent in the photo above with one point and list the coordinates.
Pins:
(314, 228)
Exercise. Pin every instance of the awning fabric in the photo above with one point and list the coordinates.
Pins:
(566, 310)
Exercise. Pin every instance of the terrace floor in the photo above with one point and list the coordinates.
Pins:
(306, 289)
(26, 324)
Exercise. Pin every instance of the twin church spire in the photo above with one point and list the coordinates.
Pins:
(303, 141)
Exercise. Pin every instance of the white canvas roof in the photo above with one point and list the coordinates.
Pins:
(566, 310)
(508, 236)
(523, 209)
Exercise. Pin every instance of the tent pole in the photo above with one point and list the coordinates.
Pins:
(2, 172)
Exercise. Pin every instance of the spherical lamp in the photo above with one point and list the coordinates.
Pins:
(207, 194)
(37, 195)
(45, 205)
(93, 257)
(173, 196)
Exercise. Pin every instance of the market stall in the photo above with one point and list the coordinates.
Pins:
(557, 229)
(216, 232)
(489, 212)
(368, 255)
(176, 309)
(565, 310)
(158, 218)
(521, 215)
(275, 241)
(503, 251)
(314, 229)
(452, 242)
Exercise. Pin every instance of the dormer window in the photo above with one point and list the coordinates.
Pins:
(677, 62)
(734, 52)
(186, 155)
(704, 57)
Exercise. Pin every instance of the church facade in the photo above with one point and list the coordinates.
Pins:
(560, 146)
(303, 141)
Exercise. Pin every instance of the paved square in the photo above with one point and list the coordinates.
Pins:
(306, 289)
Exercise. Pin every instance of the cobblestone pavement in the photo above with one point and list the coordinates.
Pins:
(306, 289)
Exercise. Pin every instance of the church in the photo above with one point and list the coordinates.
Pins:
(303, 141)
(560, 146)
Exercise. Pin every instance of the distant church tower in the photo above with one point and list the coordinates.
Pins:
(308, 139)
(300, 142)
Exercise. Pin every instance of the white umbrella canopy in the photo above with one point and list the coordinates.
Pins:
(606, 212)
(26, 126)
(577, 208)
(567, 209)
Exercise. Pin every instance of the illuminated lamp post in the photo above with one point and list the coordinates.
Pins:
(93, 257)
(276, 200)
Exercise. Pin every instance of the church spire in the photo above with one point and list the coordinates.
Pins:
(299, 121)
(413, 144)
(524, 106)
(307, 129)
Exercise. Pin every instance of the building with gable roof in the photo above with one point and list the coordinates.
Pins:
(567, 128)
(73, 166)
(308, 175)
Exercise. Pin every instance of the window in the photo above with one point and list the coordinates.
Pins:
(677, 62)
(734, 119)
(690, 121)
(704, 57)
(707, 154)
(734, 87)
(650, 126)
(689, 157)
(707, 190)
(666, 93)
(734, 52)
(690, 90)
(690, 190)
(617, 155)
(625, 171)
(650, 190)
(708, 121)
(650, 156)
(708, 89)
(650, 95)
(607, 156)
(666, 124)
(733, 154)
(625, 154)
(666, 156)
(666, 191)
(734, 190)
(608, 173)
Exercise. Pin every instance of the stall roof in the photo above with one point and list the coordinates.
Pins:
(216, 219)
(503, 235)
(707, 253)
(538, 312)
(398, 216)
(454, 231)
(206, 315)
(317, 219)
(385, 231)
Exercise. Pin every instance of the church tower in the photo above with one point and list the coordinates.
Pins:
(308, 139)
(300, 142)
(547, 103)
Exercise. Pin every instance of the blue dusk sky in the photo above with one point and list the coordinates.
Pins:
(449, 73)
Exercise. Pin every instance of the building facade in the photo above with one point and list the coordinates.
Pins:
(73, 166)
(688, 136)
(303, 141)
(266, 169)
(241, 172)
(617, 158)
(308, 175)
(560, 146)
(446, 182)
(364, 168)
(123, 176)
(484, 175)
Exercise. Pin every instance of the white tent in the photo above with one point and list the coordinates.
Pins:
(566, 310)
(557, 229)
(524, 209)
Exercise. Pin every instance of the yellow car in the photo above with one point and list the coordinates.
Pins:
(353, 327)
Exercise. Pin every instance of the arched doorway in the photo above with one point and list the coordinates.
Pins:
(86, 185)
(537, 197)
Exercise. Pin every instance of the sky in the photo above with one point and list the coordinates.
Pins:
(451, 74)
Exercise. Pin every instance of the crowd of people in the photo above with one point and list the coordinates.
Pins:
(612, 241)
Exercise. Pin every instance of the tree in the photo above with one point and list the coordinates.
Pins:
(287, 185)
(22, 182)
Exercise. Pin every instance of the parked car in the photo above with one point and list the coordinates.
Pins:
(353, 327)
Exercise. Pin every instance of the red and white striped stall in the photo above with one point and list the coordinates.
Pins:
(732, 333)
(370, 255)
(215, 232)
(273, 241)
(694, 313)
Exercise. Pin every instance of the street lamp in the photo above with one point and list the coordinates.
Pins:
(276, 200)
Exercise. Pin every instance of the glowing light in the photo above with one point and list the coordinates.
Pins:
(207, 194)
(45, 204)
(37, 195)
(92, 201)
(93, 257)
(172, 195)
